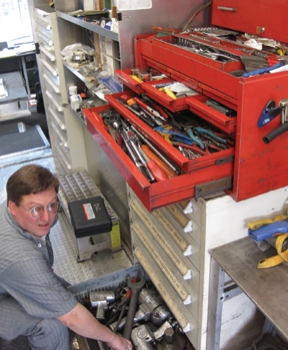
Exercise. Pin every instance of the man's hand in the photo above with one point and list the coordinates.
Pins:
(120, 343)
(82, 322)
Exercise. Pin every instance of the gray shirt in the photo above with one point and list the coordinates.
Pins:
(25, 271)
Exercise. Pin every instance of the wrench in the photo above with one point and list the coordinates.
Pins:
(135, 288)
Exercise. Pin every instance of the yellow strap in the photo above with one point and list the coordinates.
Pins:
(277, 259)
(256, 224)
(270, 262)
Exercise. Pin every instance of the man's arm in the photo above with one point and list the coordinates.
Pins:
(82, 322)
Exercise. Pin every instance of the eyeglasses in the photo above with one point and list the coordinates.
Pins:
(38, 211)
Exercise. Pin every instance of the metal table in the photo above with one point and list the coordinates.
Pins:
(267, 288)
(15, 104)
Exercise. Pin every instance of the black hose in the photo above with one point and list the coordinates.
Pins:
(274, 133)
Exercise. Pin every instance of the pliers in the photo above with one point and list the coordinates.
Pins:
(193, 137)
(207, 132)
(269, 112)
(174, 135)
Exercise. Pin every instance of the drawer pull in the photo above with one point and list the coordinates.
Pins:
(186, 206)
(48, 41)
(53, 100)
(52, 84)
(51, 69)
(58, 133)
(56, 118)
(62, 157)
(48, 54)
(229, 9)
(184, 222)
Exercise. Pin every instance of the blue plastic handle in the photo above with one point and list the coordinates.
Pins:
(269, 230)
(261, 71)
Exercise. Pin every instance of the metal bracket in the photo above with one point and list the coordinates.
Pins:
(213, 187)
(225, 160)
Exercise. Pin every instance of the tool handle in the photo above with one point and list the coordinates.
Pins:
(275, 133)
(270, 230)
(158, 153)
(158, 173)
(130, 315)
(261, 71)
(152, 156)
(194, 139)
(211, 134)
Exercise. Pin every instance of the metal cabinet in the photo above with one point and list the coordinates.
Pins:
(172, 245)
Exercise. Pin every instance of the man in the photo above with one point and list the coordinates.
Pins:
(33, 302)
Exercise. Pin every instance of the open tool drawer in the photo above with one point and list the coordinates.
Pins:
(255, 161)
(154, 308)
(197, 177)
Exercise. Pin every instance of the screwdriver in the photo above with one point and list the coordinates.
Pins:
(169, 173)
(157, 172)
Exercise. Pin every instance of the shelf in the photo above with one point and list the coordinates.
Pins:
(88, 25)
(75, 72)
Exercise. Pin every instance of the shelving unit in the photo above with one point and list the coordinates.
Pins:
(61, 126)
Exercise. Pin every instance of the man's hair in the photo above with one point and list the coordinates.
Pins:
(30, 179)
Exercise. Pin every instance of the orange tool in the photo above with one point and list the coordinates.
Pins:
(157, 172)
(152, 156)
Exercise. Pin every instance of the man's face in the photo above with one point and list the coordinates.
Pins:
(38, 226)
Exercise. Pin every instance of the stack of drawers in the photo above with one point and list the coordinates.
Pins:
(172, 244)
(167, 244)
(51, 69)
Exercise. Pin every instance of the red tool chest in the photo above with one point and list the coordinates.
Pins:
(250, 167)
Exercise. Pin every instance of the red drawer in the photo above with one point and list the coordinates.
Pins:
(204, 175)
(197, 104)
(125, 77)
(146, 73)
(152, 89)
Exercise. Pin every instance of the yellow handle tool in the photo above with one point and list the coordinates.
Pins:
(137, 78)
(256, 224)
(281, 247)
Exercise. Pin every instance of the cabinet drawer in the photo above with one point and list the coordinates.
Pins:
(48, 53)
(54, 100)
(179, 246)
(181, 312)
(63, 155)
(49, 66)
(58, 118)
(210, 172)
(60, 136)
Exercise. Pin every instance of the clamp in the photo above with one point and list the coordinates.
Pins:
(283, 104)
(269, 112)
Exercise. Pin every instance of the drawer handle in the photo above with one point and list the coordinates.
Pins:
(229, 9)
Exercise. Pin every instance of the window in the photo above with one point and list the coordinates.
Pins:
(15, 25)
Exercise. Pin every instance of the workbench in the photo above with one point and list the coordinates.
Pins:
(267, 288)
(23, 60)
(15, 104)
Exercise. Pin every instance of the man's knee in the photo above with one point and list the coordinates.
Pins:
(49, 331)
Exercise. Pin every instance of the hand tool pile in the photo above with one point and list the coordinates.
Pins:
(135, 310)
(185, 131)
(275, 233)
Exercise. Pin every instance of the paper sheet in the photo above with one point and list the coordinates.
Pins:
(124, 5)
